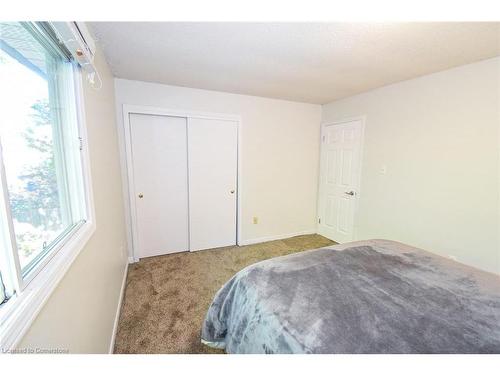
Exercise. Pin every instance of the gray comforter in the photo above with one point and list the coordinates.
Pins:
(364, 297)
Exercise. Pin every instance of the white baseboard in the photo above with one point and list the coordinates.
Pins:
(131, 260)
(274, 238)
(118, 310)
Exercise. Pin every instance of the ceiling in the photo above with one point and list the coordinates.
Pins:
(306, 62)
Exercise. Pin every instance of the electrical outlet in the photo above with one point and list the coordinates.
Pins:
(124, 249)
(255, 220)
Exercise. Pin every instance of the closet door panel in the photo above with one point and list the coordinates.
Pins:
(159, 154)
(213, 163)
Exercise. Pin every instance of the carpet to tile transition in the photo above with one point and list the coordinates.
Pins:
(166, 297)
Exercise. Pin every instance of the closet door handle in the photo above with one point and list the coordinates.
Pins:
(141, 195)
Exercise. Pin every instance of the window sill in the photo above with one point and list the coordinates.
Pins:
(17, 315)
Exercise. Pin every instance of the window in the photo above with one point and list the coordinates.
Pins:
(44, 191)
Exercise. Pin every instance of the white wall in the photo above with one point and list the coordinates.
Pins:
(80, 314)
(438, 135)
(280, 151)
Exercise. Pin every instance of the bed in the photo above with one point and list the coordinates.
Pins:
(374, 296)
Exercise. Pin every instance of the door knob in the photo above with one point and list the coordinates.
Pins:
(141, 195)
(351, 193)
(232, 191)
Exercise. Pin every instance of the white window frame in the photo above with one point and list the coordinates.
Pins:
(19, 312)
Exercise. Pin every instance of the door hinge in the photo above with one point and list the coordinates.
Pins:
(319, 220)
(80, 142)
(324, 137)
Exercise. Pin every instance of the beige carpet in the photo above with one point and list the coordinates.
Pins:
(166, 297)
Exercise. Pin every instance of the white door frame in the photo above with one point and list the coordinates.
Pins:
(361, 118)
(148, 110)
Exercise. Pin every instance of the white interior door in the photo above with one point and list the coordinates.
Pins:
(339, 180)
(213, 160)
(159, 157)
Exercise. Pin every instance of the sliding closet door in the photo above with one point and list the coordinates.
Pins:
(213, 160)
(159, 154)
